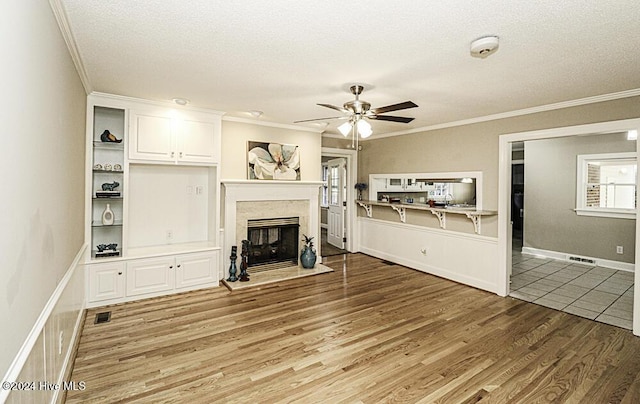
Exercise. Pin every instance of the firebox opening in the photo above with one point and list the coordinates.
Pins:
(273, 241)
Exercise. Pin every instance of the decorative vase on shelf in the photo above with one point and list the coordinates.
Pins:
(360, 186)
(107, 216)
(308, 254)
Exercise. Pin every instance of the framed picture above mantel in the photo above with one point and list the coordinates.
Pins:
(273, 161)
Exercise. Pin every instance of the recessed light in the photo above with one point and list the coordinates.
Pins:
(255, 113)
(181, 101)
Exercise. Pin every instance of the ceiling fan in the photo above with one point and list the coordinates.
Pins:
(356, 110)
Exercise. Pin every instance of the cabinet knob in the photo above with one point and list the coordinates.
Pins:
(173, 154)
(179, 265)
(119, 273)
(171, 267)
(180, 154)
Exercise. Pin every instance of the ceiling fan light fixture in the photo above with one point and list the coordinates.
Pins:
(345, 128)
(364, 128)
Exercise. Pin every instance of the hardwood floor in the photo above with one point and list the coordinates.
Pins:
(368, 332)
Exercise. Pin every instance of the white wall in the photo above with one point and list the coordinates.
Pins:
(42, 165)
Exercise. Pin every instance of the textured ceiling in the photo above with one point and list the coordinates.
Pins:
(283, 57)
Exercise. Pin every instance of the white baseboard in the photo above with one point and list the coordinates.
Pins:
(16, 367)
(621, 266)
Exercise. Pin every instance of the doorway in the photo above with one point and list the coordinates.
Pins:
(337, 215)
(505, 203)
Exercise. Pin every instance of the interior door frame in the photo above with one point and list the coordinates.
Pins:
(340, 206)
(504, 196)
(352, 174)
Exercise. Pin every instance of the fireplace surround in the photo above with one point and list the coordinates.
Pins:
(246, 200)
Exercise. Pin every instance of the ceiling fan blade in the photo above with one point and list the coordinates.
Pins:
(334, 107)
(394, 107)
(401, 119)
(322, 119)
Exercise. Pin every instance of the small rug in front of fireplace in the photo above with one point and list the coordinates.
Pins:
(276, 275)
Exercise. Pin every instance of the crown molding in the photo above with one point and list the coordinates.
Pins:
(61, 17)
(271, 124)
(510, 114)
(162, 103)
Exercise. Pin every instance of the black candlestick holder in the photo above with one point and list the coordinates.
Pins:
(232, 268)
(244, 276)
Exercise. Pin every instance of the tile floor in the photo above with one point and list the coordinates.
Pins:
(597, 293)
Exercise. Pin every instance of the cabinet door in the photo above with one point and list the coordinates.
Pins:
(395, 184)
(106, 281)
(151, 137)
(196, 269)
(150, 275)
(413, 185)
(196, 142)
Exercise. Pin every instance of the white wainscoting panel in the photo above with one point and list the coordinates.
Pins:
(466, 258)
(47, 353)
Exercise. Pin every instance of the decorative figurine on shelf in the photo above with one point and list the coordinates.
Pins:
(108, 137)
(107, 250)
(360, 186)
(110, 186)
(308, 254)
(244, 276)
(232, 268)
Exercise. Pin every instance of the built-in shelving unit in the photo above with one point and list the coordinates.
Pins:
(104, 157)
(165, 206)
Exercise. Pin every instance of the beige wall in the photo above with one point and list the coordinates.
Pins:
(235, 136)
(43, 125)
(473, 148)
(550, 222)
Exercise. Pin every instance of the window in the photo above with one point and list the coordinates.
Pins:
(325, 185)
(607, 185)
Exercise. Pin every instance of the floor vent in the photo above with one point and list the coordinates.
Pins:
(103, 317)
(580, 259)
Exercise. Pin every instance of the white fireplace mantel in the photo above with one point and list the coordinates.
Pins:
(263, 190)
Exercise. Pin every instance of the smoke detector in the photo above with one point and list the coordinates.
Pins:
(485, 46)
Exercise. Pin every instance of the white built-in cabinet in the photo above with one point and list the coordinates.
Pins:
(106, 281)
(167, 205)
(159, 135)
(116, 281)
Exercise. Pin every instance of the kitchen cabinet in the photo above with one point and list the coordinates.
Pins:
(399, 184)
(163, 136)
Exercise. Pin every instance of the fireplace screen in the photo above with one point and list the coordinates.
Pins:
(273, 241)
